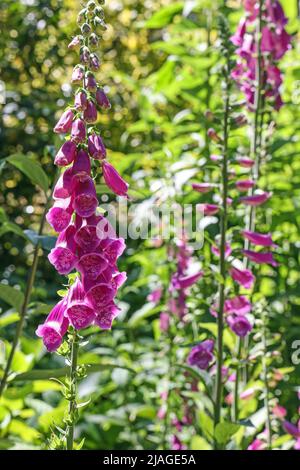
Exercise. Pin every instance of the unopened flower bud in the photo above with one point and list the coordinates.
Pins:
(80, 101)
(90, 113)
(84, 55)
(85, 29)
(90, 82)
(81, 17)
(212, 134)
(77, 75)
(102, 99)
(75, 43)
(94, 62)
(93, 41)
(99, 24)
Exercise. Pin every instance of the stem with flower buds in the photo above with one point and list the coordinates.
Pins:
(72, 411)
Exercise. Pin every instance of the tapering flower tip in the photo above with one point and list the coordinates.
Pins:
(96, 147)
(75, 43)
(66, 154)
(59, 216)
(202, 187)
(106, 315)
(81, 101)
(77, 75)
(244, 185)
(256, 199)
(78, 132)
(245, 162)
(164, 321)
(239, 305)
(238, 37)
(90, 82)
(86, 237)
(209, 209)
(90, 113)
(79, 311)
(184, 282)
(259, 239)
(91, 265)
(212, 134)
(65, 122)
(155, 295)
(216, 250)
(100, 296)
(240, 325)
(291, 429)
(102, 99)
(202, 354)
(54, 328)
(81, 166)
(260, 258)
(63, 256)
(63, 187)
(113, 180)
(85, 199)
(112, 248)
(244, 277)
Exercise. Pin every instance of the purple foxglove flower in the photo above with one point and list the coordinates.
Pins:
(260, 258)
(94, 62)
(282, 43)
(202, 187)
(96, 147)
(75, 43)
(239, 305)
(216, 250)
(267, 41)
(291, 429)
(237, 39)
(63, 256)
(91, 265)
(176, 443)
(102, 99)
(85, 199)
(247, 48)
(244, 277)
(118, 280)
(90, 82)
(54, 327)
(63, 187)
(113, 180)
(66, 154)
(209, 209)
(65, 122)
(155, 295)
(84, 56)
(164, 321)
(100, 295)
(259, 239)
(183, 282)
(257, 444)
(202, 354)
(78, 132)
(279, 411)
(59, 216)
(244, 185)
(80, 102)
(86, 237)
(79, 311)
(112, 249)
(106, 316)
(90, 113)
(245, 162)
(81, 166)
(77, 75)
(276, 13)
(240, 325)
(256, 200)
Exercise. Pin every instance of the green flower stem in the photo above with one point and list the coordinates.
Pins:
(266, 386)
(28, 291)
(256, 154)
(236, 389)
(72, 411)
(222, 266)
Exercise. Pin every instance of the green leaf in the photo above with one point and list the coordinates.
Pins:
(12, 296)
(11, 227)
(140, 315)
(31, 169)
(199, 443)
(47, 242)
(164, 16)
(224, 431)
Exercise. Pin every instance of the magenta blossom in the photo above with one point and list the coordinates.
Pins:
(244, 185)
(79, 311)
(209, 209)
(54, 327)
(244, 277)
(240, 325)
(256, 199)
(202, 354)
(113, 180)
(63, 256)
(164, 321)
(96, 147)
(66, 154)
(260, 258)
(245, 162)
(259, 238)
(291, 429)
(78, 133)
(102, 99)
(202, 187)
(65, 122)
(239, 305)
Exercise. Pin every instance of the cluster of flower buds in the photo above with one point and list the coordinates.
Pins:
(87, 242)
(275, 42)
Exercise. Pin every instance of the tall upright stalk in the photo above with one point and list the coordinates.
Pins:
(72, 411)
(222, 265)
(256, 155)
(27, 295)
(266, 385)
